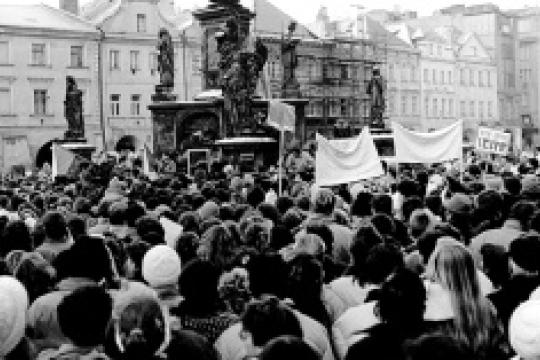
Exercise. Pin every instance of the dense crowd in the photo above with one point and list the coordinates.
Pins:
(424, 263)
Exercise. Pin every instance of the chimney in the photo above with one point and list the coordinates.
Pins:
(71, 6)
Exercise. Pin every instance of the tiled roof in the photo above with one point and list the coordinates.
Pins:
(273, 21)
(42, 17)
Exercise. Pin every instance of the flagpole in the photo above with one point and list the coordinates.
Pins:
(280, 165)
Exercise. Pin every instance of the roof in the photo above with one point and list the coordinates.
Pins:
(272, 20)
(42, 17)
(98, 11)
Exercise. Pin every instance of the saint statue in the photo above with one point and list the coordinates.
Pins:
(289, 58)
(165, 59)
(73, 110)
(375, 90)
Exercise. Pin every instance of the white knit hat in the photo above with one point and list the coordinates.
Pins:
(525, 329)
(161, 266)
(13, 306)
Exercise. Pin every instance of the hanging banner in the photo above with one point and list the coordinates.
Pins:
(493, 141)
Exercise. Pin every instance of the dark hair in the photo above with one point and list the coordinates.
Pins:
(270, 212)
(384, 224)
(190, 221)
(523, 211)
(288, 347)
(198, 284)
(382, 204)
(280, 237)
(84, 315)
(268, 319)
(89, 258)
(267, 275)
(512, 184)
(16, 236)
(36, 274)
(148, 224)
(324, 232)
(135, 251)
(55, 226)
(255, 196)
(219, 246)
(77, 226)
(496, 264)
(284, 203)
(409, 205)
(187, 246)
(362, 204)
(365, 238)
(434, 204)
(383, 260)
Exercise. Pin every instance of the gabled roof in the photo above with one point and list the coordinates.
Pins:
(273, 21)
(42, 17)
(98, 11)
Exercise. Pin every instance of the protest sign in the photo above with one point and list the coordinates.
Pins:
(493, 141)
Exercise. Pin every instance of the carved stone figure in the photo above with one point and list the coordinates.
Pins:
(288, 55)
(165, 60)
(73, 110)
(375, 90)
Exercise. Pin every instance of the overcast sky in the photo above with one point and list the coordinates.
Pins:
(305, 10)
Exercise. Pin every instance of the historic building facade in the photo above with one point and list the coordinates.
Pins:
(39, 47)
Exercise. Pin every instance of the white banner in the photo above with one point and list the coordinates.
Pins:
(346, 160)
(493, 141)
(432, 147)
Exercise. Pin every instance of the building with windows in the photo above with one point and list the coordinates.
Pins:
(458, 77)
(39, 47)
(129, 31)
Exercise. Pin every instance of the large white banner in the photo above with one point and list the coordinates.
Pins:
(433, 147)
(346, 160)
(493, 141)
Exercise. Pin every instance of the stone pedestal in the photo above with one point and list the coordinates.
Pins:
(79, 147)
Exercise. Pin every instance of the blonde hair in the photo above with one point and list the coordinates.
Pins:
(452, 266)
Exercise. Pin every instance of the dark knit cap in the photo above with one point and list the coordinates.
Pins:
(525, 252)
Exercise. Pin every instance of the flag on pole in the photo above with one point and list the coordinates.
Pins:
(281, 116)
(65, 162)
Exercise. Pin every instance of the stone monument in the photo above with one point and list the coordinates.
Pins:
(73, 111)
(165, 68)
(377, 103)
(289, 60)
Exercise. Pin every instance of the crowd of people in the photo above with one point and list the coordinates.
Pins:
(427, 263)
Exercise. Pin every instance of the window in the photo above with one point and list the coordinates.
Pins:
(426, 76)
(489, 78)
(434, 110)
(525, 100)
(114, 59)
(481, 109)
(391, 104)
(135, 105)
(84, 101)
(442, 77)
(40, 102)
(462, 77)
(450, 107)
(115, 104)
(325, 71)
(471, 77)
(403, 104)
(153, 62)
(490, 109)
(404, 74)
(391, 74)
(480, 79)
(4, 52)
(141, 23)
(414, 105)
(462, 109)
(471, 109)
(134, 61)
(5, 101)
(38, 54)
(344, 71)
(439, 50)
(414, 75)
(450, 78)
(344, 107)
(434, 76)
(426, 106)
(443, 107)
(76, 58)
(430, 49)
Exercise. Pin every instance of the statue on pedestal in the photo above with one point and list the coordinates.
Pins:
(73, 110)
(289, 60)
(375, 90)
(165, 60)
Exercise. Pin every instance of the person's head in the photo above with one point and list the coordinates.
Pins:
(419, 222)
(76, 226)
(255, 196)
(13, 306)
(382, 204)
(16, 236)
(384, 224)
(437, 346)
(305, 277)
(267, 275)
(280, 237)
(324, 202)
(257, 236)
(88, 258)
(522, 211)
(524, 330)
(452, 267)
(495, 264)
(402, 290)
(161, 269)
(267, 319)
(198, 285)
(524, 254)
(435, 205)
(55, 227)
(149, 225)
(187, 246)
(288, 347)
(362, 204)
(141, 329)
(36, 274)
(84, 316)
(410, 205)
(381, 262)
(117, 213)
(324, 232)
(219, 246)
(364, 239)
(135, 252)
(190, 221)
(512, 185)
